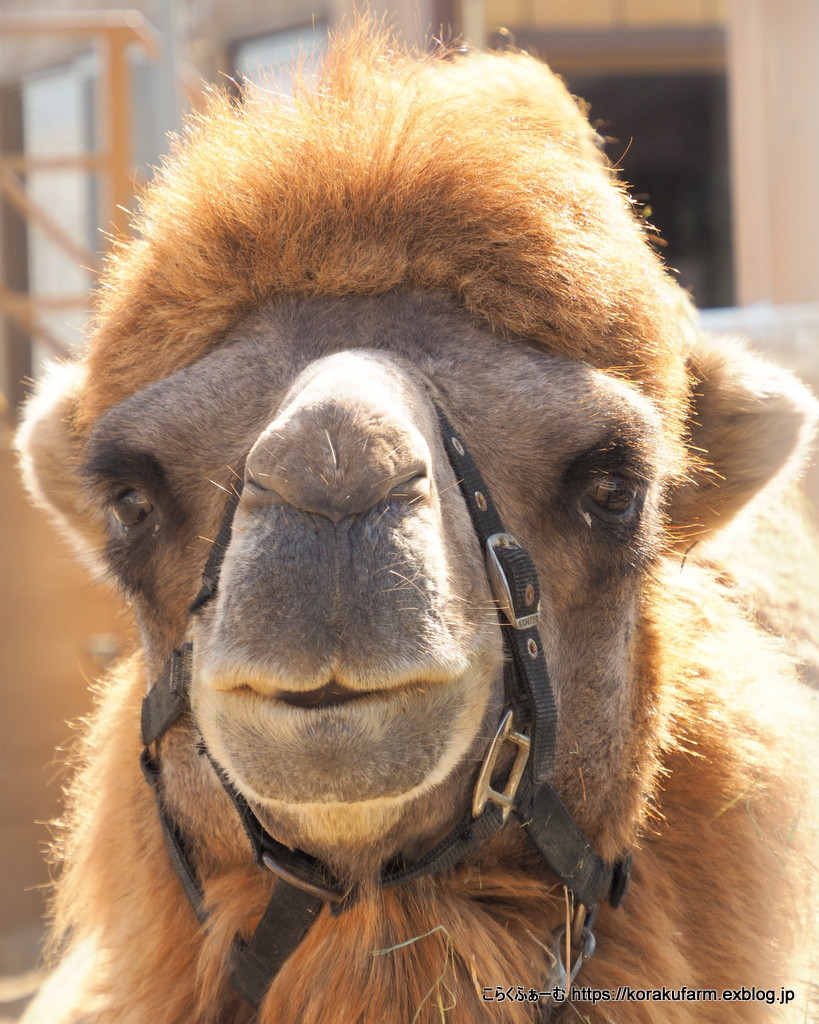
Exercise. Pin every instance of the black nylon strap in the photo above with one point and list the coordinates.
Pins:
(295, 862)
(521, 575)
(291, 911)
(175, 842)
(564, 847)
(256, 961)
(168, 697)
(530, 662)
(482, 511)
(560, 842)
(529, 688)
(463, 840)
(213, 566)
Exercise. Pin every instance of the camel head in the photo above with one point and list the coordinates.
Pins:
(314, 283)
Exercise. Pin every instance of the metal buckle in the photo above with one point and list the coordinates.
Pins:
(500, 585)
(483, 791)
(565, 974)
(313, 888)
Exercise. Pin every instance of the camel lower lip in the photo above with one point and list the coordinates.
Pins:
(381, 744)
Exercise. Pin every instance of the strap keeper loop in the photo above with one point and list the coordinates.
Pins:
(513, 580)
(620, 881)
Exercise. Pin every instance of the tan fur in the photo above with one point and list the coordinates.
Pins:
(747, 415)
(46, 430)
(680, 721)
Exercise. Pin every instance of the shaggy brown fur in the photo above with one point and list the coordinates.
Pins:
(724, 821)
(340, 193)
(478, 179)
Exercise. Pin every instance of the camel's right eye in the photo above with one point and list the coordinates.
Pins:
(611, 495)
(132, 508)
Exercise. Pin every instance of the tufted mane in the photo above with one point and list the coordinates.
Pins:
(477, 176)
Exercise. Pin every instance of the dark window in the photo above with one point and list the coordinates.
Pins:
(671, 142)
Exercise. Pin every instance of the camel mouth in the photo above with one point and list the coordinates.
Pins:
(330, 695)
(290, 745)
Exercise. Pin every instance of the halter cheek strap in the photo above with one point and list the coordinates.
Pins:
(304, 885)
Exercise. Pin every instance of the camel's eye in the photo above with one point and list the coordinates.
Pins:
(132, 508)
(610, 495)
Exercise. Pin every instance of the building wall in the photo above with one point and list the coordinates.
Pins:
(57, 630)
(605, 14)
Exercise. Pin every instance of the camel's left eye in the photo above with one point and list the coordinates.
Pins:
(611, 495)
(132, 508)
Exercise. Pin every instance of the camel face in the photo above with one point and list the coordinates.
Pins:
(352, 658)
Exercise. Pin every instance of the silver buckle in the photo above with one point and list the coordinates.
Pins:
(483, 791)
(499, 583)
(322, 891)
(583, 944)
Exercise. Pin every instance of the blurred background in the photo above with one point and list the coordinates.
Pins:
(711, 109)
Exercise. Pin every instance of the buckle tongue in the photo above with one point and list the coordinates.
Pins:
(502, 551)
(483, 791)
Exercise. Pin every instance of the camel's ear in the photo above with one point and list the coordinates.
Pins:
(751, 423)
(49, 456)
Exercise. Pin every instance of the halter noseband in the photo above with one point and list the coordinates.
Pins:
(529, 723)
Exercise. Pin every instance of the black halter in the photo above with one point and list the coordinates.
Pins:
(304, 885)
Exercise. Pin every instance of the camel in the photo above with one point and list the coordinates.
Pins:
(398, 438)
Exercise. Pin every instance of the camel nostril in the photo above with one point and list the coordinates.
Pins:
(256, 491)
(412, 490)
(284, 470)
(260, 482)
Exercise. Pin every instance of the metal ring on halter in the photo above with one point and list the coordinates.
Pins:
(585, 950)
